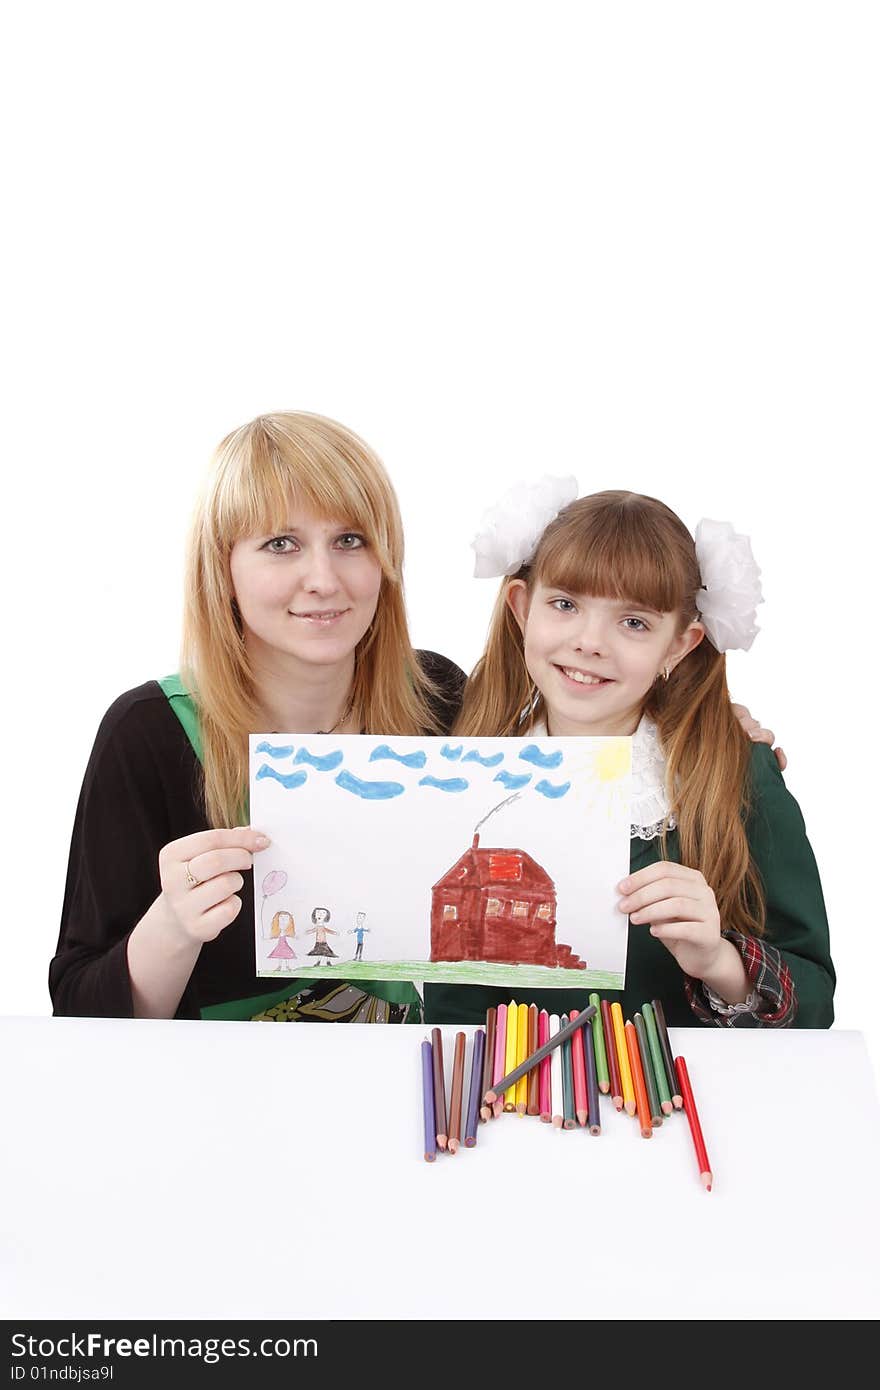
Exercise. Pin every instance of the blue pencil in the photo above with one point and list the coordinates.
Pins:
(473, 1109)
(428, 1101)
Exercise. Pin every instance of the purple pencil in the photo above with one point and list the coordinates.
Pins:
(592, 1082)
(428, 1101)
(476, 1091)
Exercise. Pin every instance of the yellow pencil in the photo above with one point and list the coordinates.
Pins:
(626, 1081)
(522, 1052)
(510, 1052)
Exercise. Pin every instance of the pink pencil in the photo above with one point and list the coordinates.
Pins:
(579, 1073)
(544, 1073)
(500, 1052)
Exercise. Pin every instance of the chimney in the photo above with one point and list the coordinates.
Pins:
(476, 843)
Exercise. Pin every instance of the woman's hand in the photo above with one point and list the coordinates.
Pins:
(679, 908)
(201, 877)
(759, 735)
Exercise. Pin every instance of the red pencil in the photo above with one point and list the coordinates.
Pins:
(690, 1109)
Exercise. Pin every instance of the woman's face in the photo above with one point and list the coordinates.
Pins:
(308, 592)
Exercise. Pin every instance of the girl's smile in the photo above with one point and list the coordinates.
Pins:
(594, 659)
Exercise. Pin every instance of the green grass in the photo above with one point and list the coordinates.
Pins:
(455, 973)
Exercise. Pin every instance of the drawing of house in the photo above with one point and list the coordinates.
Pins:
(497, 905)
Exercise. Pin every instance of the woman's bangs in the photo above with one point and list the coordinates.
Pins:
(613, 556)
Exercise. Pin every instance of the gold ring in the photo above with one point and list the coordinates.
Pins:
(191, 880)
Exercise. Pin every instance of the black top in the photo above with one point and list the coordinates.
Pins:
(142, 789)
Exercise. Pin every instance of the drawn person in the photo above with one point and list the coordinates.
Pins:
(321, 948)
(359, 932)
(294, 619)
(283, 926)
(616, 622)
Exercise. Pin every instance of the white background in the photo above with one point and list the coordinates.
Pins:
(636, 242)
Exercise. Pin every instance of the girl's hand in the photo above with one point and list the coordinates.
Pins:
(679, 908)
(201, 877)
(759, 735)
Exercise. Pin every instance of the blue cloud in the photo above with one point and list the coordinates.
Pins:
(533, 754)
(447, 751)
(510, 780)
(326, 762)
(445, 784)
(408, 759)
(288, 779)
(475, 757)
(369, 791)
(547, 789)
(274, 750)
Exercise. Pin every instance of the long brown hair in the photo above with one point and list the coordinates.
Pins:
(623, 545)
(256, 471)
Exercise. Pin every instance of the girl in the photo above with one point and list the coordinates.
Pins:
(614, 622)
(294, 621)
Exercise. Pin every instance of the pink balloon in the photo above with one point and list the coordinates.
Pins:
(274, 882)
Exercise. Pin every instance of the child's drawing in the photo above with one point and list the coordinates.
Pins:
(490, 860)
(283, 926)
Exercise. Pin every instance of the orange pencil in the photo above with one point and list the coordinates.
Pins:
(635, 1062)
(534, 1105)
(456, 1094)
(579, 1075)
(690, 1109)
(629, 1097)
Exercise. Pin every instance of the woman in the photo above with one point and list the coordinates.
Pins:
(294, 622)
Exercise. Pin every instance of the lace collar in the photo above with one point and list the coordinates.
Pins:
(649, 802)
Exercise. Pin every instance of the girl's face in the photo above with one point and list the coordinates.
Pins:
(595, 659)
(308, 592)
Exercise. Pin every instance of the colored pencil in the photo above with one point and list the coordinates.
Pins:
(666, 1049)
(544, 1068)
(428, 1102)
(522, 1052)
(488, 1061)
(439, 1088)
(455, 1093)
(555, 1075)
(611, 1054)
(477, 1059)
(690, 1109)
(593, 1116)
(657, 1059)
(568, 1119)
(534, 1103)
(599, 1047)
(510, 1053)
(626, 1080)
(552, 1042)
(500, 1051)
(648, 1071)
(638, 1080)
(579, 1072)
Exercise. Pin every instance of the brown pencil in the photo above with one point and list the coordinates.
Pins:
(456, 1093)
(439, 1087)
(534, 1104)
(488, 1061)
(666, 1050)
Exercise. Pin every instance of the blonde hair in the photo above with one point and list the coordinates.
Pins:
(256, 472)
(623, 545)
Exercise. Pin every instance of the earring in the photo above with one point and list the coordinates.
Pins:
(666, 673)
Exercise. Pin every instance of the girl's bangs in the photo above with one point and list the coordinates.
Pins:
(618, 553)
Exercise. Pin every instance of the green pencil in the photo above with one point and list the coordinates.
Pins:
(568, 1119)
(599, 1047)
(657, 1059)
(648, 1069)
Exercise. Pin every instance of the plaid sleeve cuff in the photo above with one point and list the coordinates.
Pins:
(772, 1002)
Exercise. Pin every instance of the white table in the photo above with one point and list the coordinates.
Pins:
(193, 1170)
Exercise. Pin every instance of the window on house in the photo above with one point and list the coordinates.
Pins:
(520, 909)
(450, 912)
(493, 907)
(545, 911)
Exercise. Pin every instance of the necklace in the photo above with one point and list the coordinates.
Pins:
(341, 720)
